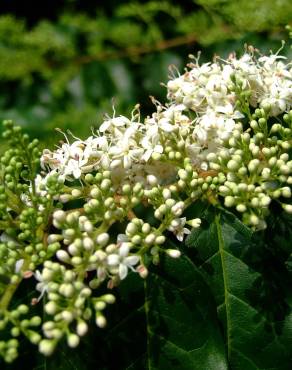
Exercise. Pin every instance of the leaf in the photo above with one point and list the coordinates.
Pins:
(183, 332)
(224, 250)
(166, 322)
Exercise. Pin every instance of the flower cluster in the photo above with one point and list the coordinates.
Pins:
(108, 205)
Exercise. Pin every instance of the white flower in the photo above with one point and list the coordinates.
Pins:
(122, 260)
(42, 285)
(112, 123)
(151, 145)
(177, 227)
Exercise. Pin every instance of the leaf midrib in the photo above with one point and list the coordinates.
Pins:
(225, 284)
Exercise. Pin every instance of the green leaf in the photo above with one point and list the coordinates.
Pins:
(182, 328)
(165, 322)
(224, 251)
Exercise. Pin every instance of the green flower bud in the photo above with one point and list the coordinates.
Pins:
(100, 321)
(136, 239)
(150, 239)
(232, 165)
(76, 193)
(173, 253)
(229, 201)
(160, 239)
(265, 201)
(241, 208)
(286, 192)
(47, 346)
(254, 220)
(81, 328)
(51, 308)
(287, 208)
(146, 228)
(103, 239)
(109, 298)
(73, 340)
(253, 165)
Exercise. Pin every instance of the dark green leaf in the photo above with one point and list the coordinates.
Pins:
(254, 339)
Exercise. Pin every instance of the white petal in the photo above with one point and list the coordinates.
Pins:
(145, 157)
(180, 236)
(166, 126)
(76, 173)
(127, 162)
(122, 238)
(18, 265)
(113, 259)
(104, 126)
(186, 231)
(132, 260)
(124, 250)
(123, 271)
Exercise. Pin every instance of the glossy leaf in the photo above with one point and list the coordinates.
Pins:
(224, 251)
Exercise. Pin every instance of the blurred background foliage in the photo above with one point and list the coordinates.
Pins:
(65, 63)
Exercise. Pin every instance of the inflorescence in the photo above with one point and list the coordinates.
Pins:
(224, 137)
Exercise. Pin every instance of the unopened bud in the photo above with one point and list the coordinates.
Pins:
(73, 340)
(195, 223)
(173, 253)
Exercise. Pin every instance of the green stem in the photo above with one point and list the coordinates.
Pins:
(225, 282)
(11, 288)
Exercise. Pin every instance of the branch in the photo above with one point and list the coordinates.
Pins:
(134, 51)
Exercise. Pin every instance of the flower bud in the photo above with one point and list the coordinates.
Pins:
(53, 238)
(131, 229)
(229, 201)
(66, 289)
(67, 316)
(109, 298)
(241, 208)
(73, 340)
(81, 328)
(173, 253)
(76, 193)
(142, 271)
(88, 243)
(254, 220)
(233, 165)
(59, 215)
(195, 222)
(166, 193)
(266, 173)
(160, 239)
(64, 198)
(100, 321)
(146, 228)
(152, 180)
(286, 192)
(102, 239)
(265, 201)
(150, 238)
(63, 256)
(47, 346)
(253, 165)
(51, 308)
(136, 239)
(287, 208)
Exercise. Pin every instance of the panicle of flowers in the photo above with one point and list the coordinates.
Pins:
(223, 137)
